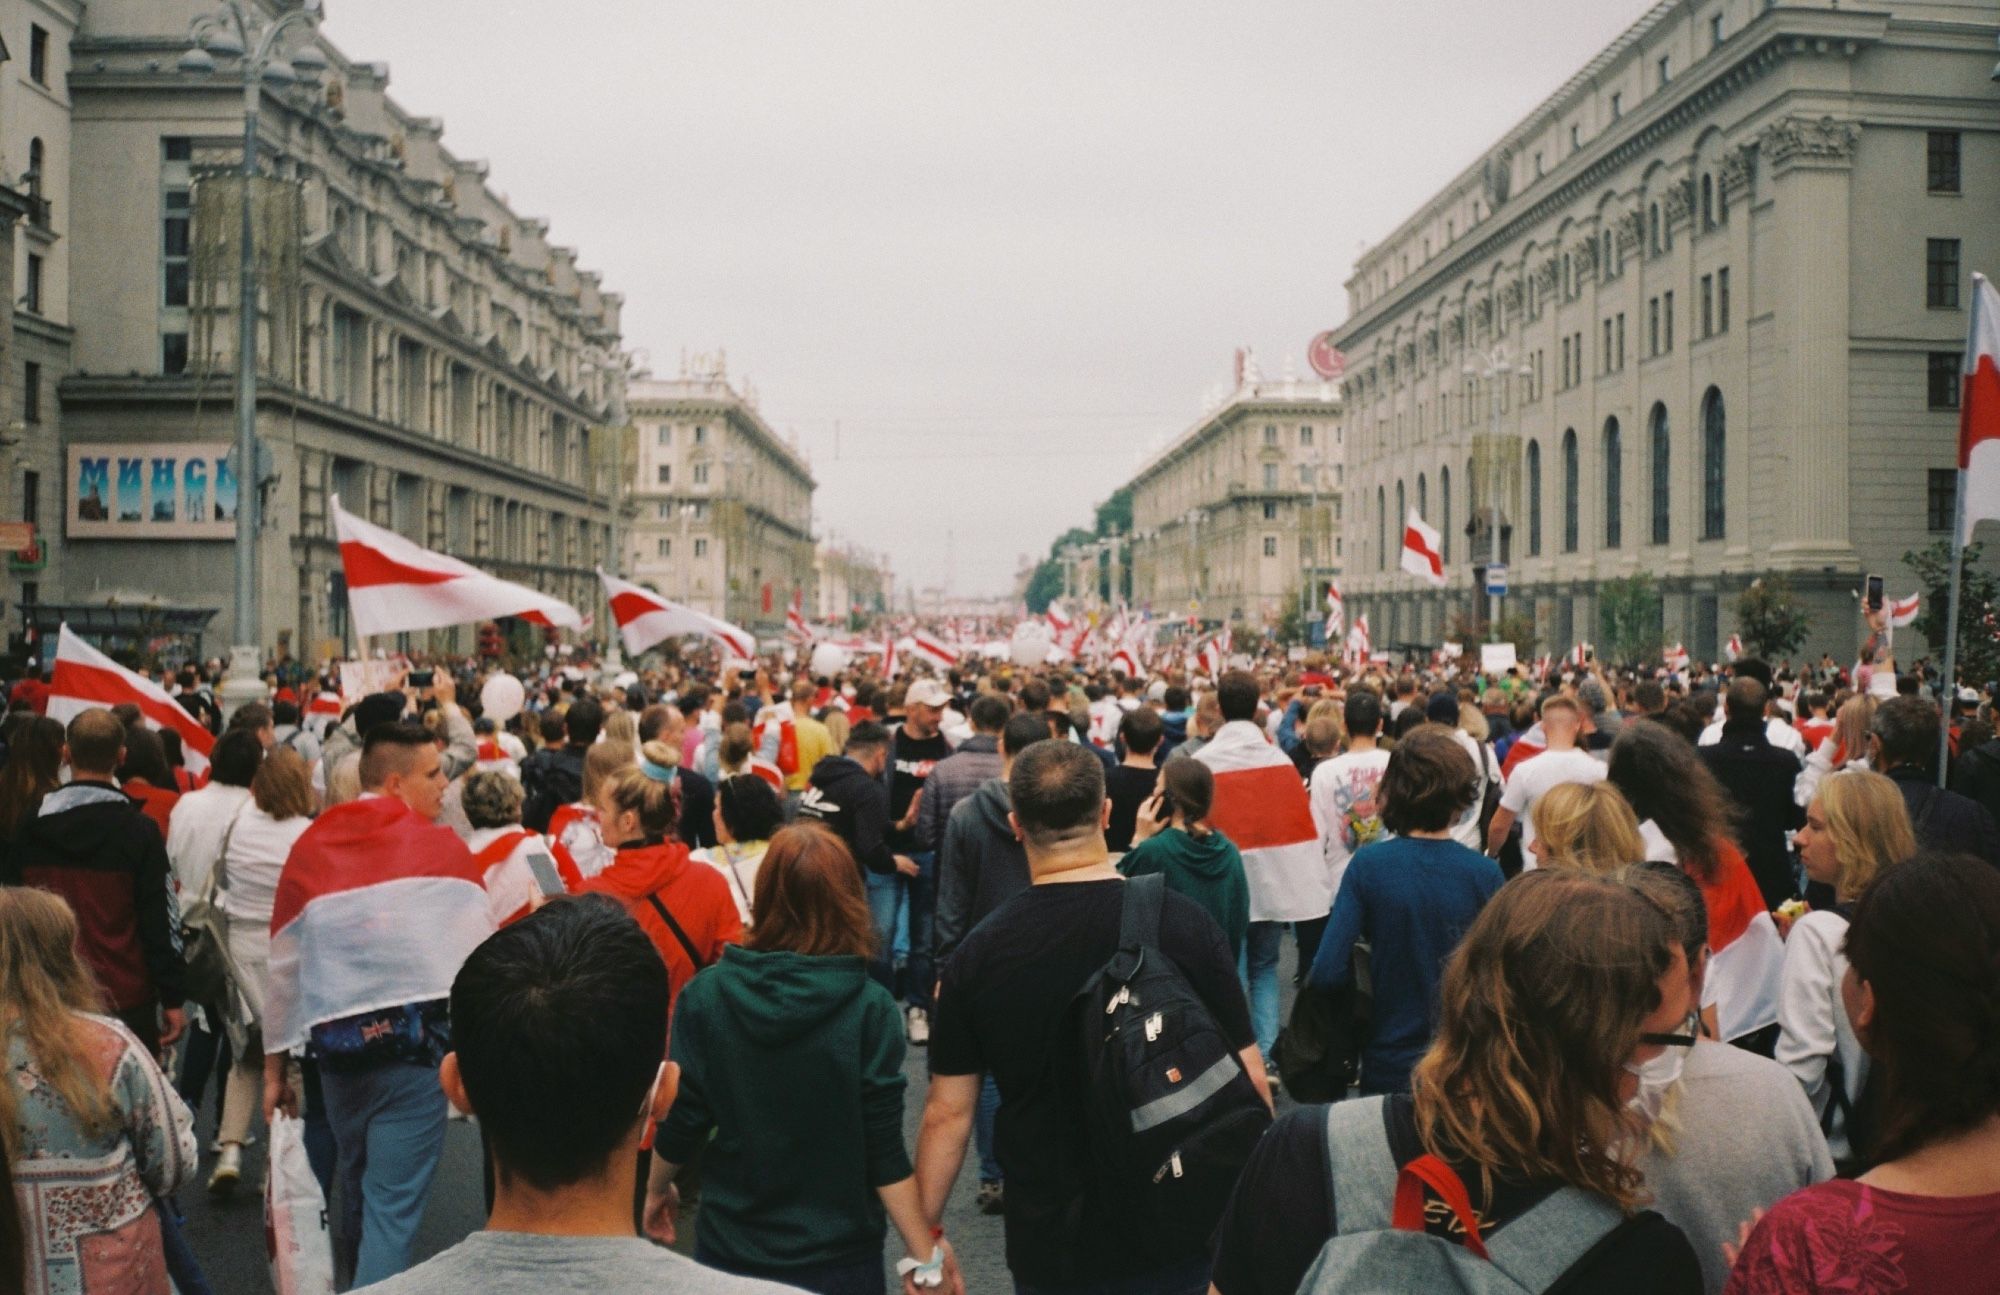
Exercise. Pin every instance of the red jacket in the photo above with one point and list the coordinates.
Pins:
(696, 895)
(158, 802)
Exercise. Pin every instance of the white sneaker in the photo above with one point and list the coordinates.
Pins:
(228, 1170)
(919, 1023)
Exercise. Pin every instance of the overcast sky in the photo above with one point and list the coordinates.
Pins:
(980, 258)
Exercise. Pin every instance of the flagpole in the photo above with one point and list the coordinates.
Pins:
(1950, 683)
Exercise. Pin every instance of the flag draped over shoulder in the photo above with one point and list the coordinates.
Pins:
(394, 585)
(85, 678)
(375, 908)
(1261, 806)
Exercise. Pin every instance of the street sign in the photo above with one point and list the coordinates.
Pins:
(1496, 580)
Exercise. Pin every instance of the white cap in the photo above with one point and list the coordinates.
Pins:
(928, 692)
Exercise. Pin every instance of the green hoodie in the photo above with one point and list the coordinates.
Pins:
(1205, 868)
(795, 1063)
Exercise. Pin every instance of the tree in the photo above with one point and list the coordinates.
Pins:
(1978, 597)
(1628, 619)
(1045, 586)
(1116, 512)
(1771, 618)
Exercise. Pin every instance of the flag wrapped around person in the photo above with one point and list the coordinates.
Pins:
(85, 678)
(646, 618)
(1261, 806)
(395, 585)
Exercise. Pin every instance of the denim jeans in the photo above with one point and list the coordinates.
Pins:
(1189, 1277)
(885, 899)
(388, 1129)
(1260, 958)
(982, 1129)
(921, 893)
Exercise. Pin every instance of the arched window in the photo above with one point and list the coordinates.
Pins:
(1444, 502)
(1614, 485)
(1662, 456)
(1708, 202)
(1381, 530)
(1714, 468)
(1534, 499)
(1572, 479)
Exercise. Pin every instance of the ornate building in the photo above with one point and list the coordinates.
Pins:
(722, 514)
(424, 352)
(1717, 281)
(1240, 517)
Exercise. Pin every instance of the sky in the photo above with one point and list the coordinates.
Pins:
(981, 260)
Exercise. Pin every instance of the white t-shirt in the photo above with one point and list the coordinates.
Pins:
(1533, 777)
(1466, 830)
(1344, 807)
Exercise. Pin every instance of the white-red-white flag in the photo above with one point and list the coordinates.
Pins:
(1059, 621)
(1734, 647)
(1336, 610)
(795, 617)
(1905, 611)
(85, 678)
(933, 649)
(645, 618)
(1358, 646)
(1676, 657)
(1126, 662)
(394, 585)
(1210, 658)
(1979, 409)
(1423, 553)
(891, 666)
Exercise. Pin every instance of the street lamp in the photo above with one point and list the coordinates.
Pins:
(238, 34)
(1488, 369)
(1194, 518)
(619, 367)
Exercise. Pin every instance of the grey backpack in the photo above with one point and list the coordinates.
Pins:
(1379, 1243)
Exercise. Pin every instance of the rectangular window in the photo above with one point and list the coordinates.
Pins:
(666, 434)
(31, 392)
(1722, 300)
(1941, 498)
(1940, 273)
(1653, 326)
(1305, 476)
(1305, 436)
(1946, 372)
(701, 548)
(1270, 511)
(1943, 154)
(1714, 29)
(701, 435)
(1667, 319)
(666, 548)
(38, 55)
(31, 498)
(31, 293)
(1575, 137)
(1707, 305)
(701, 474)
(1621, 339)
(1606, 352)
(1666, 67)
(1270, 546)
(1617, 105)
(1270, 476)
(666, 474)
(173, 353)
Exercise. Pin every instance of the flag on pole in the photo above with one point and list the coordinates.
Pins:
(1059, 621)
(1734, 647)
(645, 618)
(1126, 662)
(795, 617)
(1358, 645)
(890, 665)
(395, 585)
(933, 649)
(1336, 610)
(1209, 659)
(1979, 411)
(1423, 554)
(1676, 658)
(1905, 611)
(85, 678)
(1579, 654)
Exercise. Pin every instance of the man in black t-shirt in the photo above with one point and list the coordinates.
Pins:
(1130, 784)
(919, 747)
(1014, 975)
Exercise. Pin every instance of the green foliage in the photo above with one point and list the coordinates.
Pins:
(1629, 619)
(1771, 618)
(1116, 512)
(1978, 595)
(1291, 629)
(1045, 586)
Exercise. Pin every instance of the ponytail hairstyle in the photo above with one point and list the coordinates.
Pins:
(1926, 940)
(1187, 787)
(650, 789)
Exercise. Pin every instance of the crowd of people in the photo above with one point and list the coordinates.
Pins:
(1618, 980)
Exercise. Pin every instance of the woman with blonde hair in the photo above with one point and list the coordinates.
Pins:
(254, 848)
(94, 1132)
(1846, 748)
(574, 828)
(1585, 825)
(1562, 991)
(1856, 826)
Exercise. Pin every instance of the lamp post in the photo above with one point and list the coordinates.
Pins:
(1489, 369)
(236, 33)
(619, 367)
(1193, 518)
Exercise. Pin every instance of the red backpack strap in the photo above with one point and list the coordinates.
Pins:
(1431, 1172)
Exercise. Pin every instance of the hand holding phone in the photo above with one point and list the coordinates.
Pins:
(546, 877)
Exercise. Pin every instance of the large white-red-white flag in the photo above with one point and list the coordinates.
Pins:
(85, 678)
(645, 618)
(1261, 806)
(891, 664)
(1059, 621)
(1423, 553)
(1336, 610)
(1358, 645)
(933, 649)
(795, 618)
(1979, 410)
(394, 585)
(1905, 611)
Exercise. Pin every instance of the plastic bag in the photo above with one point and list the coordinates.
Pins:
(295, 1225)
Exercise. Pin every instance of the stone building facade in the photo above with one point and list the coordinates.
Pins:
(1732, 255)
(721, 506)
(1239, 518)
(425, 353)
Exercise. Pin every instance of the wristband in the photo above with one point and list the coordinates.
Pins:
(923, 1274)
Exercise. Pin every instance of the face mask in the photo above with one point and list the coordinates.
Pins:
(1656, 1079)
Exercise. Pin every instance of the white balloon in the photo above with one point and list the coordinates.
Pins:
(501, 698)
(1030, 646)
(828, 660)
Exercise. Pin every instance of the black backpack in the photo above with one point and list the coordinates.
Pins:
(1170, 1115)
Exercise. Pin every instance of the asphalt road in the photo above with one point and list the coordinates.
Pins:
(228, 1236)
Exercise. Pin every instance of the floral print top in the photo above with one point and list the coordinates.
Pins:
(1848, 1238)
(87, 1201)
